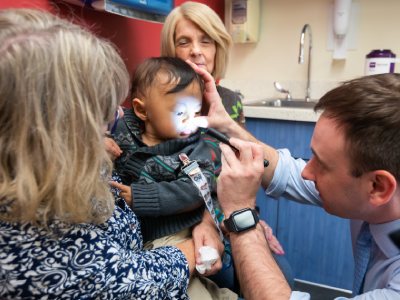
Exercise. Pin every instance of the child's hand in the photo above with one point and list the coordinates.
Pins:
(273, 242)
(205, 234)
(209, 257)
(125, 191)
(112, 148)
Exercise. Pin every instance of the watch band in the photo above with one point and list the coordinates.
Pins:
(233, 225)
(229, 225)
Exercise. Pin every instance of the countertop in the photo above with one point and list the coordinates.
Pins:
(281, 113)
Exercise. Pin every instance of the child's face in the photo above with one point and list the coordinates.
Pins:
(169, 116)
(186, 109)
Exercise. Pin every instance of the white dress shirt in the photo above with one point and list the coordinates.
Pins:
(382, 280)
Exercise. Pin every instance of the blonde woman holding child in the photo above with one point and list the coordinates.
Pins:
(62, 234)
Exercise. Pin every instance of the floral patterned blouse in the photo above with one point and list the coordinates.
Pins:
(86, 261)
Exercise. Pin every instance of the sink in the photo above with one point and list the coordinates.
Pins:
(294, 103)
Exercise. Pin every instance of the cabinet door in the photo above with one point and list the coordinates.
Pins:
(284, 134)
(280, 134)
(317, 245)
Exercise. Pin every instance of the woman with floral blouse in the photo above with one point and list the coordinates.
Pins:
(62, 234)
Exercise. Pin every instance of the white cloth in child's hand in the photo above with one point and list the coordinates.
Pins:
(208, 256)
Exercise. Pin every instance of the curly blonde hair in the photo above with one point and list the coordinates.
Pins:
(59, 86)
(208, 21)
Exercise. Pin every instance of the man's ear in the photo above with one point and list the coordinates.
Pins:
(139, 108)
(384, 186)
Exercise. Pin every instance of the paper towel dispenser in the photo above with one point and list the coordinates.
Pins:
(242, 20)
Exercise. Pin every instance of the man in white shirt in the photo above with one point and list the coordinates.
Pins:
(354, 173)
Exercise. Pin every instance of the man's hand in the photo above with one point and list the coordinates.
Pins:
(205, 234)
(125, 191)
(237, 186)
(240, 177)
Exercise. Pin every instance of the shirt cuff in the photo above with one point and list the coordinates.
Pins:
(296, 295)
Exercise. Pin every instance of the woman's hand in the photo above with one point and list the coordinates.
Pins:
(112, 148)
(205, 234)
(273, 242)
(125, 191)
(213, 110)
(187, 248)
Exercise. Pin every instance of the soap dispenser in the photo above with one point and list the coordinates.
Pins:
(341, 17)
(242, 19)
(341, 21)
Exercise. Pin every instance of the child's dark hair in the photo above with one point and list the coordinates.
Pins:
(177, 70)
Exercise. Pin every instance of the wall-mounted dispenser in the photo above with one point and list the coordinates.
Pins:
(242, 20)
(341, 17)
(341, 29)
(341, 21)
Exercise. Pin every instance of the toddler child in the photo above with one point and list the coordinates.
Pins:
(167, 95)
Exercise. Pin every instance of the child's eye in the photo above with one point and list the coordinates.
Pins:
(180, 113)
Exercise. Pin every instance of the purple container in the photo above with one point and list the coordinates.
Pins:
(379, 61)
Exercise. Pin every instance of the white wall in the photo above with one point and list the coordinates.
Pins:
(254, 67)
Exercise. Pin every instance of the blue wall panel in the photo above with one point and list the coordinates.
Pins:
(317, 245)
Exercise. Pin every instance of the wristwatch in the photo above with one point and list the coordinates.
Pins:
(241, 220)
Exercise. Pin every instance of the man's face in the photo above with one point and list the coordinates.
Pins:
(342, 194)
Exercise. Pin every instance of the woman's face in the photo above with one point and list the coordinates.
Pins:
(194, 44)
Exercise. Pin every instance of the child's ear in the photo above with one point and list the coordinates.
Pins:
(139, 108)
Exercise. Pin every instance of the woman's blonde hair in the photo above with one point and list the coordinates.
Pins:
(208, 21)
(59, 86)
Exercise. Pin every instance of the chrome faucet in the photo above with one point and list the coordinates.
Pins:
(301, 56)
(280, 89)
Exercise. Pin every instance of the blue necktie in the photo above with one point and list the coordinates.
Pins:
(362, 256)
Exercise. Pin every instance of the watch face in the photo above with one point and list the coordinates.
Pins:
(244, 220)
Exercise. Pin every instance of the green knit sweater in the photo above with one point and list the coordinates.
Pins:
(164, 198)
